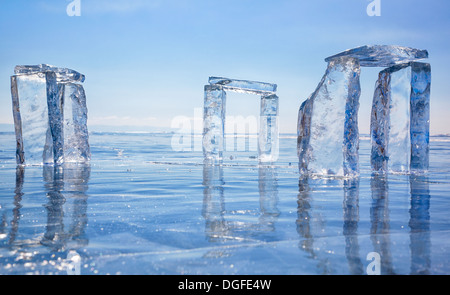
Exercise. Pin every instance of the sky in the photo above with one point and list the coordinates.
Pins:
(146, 61)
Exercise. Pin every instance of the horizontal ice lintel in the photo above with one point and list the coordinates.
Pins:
(244, 86)
(382, 55)
(63, 75)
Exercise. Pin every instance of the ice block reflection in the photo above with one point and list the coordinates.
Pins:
(219, 227)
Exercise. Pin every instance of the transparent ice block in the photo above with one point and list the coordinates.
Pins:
(400, 119)
(382, 55)
(50, 115)
(244, 86)
(328, 137)
(268, 133)
(37, 115)
(214, 122)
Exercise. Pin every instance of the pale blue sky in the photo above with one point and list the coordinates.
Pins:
(147, 62)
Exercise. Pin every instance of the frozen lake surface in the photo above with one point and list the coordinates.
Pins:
(140, 208)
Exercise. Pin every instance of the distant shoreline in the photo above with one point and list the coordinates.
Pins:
(97, 129)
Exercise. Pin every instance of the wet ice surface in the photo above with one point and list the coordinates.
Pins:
(142, 209)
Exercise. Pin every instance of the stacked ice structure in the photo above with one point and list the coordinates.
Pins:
(215, 110)
(328, 133)
(50, 115)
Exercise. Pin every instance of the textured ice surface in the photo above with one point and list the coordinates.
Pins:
(62, 74)
(382, 55)
(328, 134)
(244, 86)
(268, 132)
(400, 119)
(214, 121)
(148, 213)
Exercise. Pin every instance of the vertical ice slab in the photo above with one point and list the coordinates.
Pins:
(214, 122)
(420, 115)
(50, 115)
(390, 120)
(55, 118)
(400, 119)
(76, 137)
(37, 115)
(328, 133)
(268, 141)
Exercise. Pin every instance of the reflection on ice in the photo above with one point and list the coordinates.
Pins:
(306, 223)
(419, 225)
(268, 196)
(213, 202)
(315, 237)
(311, 225)
(350, 228)
(380, 222)
(218, 228)
(62, 183)
(204, 219)
(73, 179)
(18, 194)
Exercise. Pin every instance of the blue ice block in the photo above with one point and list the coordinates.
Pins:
(214, 122)
(50, 115)
(400, 119)
(328, 136)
